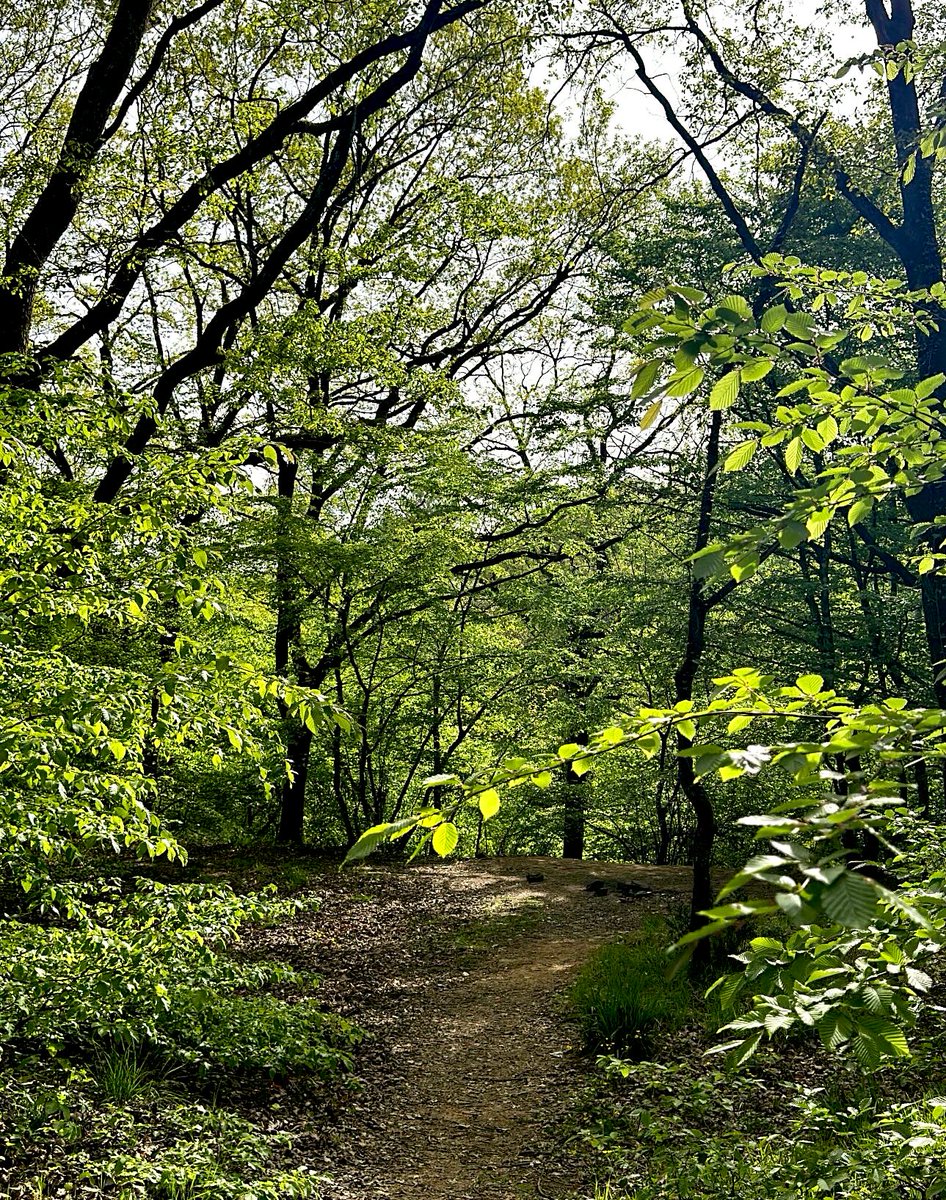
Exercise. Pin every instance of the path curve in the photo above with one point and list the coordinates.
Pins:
(470, 1066)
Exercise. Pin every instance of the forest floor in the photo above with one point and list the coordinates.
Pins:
(457, 972)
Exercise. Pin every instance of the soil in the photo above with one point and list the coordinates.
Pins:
(457, 971)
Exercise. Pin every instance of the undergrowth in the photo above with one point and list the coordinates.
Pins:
(153, 1075)
(624, 995)
(788, 1125)
(60, 1137)
(669, 1131)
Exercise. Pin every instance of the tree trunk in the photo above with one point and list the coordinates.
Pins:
(704, 833)
(292, 809)
(916, 243)
(573, 841)
(299, 738)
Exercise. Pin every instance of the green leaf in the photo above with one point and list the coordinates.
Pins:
(851, 900)
(827, 430)
(859, 509)
(800, 325)
(651, 415)
(792, 534)
(373, 837)
(580, 766)
(744, 1051)
(834, 1029)
(773, 319)
(445, 839)
(709, 562)
(725, 391)
(757, 369)
(118, 749)
(793, 455)
(489, 804)
(818, 522)
(433, 781)
(741, 455)
(918, 980)
(684, 383)
(645, 378)
(811, 685)
(929, 385)
(738, 306)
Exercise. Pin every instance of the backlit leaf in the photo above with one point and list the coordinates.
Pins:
(445, 839)
(489, 804)
(724, 392)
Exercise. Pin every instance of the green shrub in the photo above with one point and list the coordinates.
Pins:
(210, 1154)
(130, 969)
(624, 995)
(58, 1137)
(265, 1033)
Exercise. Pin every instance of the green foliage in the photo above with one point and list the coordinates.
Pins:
(138, 967)
(57, 1136)
(263, 1033)
(624, 996)
(862, 430)
(668, 1131)
(210, 1153)
(127, 967)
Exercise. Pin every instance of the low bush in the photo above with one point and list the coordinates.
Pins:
(58, 1138)
(136, 969)
(116, 999)
(265, 1033)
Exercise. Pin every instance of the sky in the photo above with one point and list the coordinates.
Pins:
(638, 114)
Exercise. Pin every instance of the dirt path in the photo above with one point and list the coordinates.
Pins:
(456, 970)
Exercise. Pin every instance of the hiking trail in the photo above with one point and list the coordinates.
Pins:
(457, 970)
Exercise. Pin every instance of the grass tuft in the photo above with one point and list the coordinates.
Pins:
(623, 995)
(120, 1074)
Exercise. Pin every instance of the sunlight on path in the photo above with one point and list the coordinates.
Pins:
(483, 1067)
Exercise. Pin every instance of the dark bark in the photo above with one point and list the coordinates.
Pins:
(576, 787)
(292, 809)
(286, 642)
(917, 246)
(287, 617)
(351, 833)
(698, 608)
(58, 202)
(818, 599)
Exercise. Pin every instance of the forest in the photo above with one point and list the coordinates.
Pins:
(472, 600)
